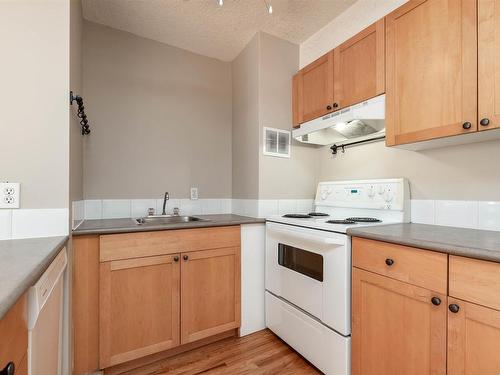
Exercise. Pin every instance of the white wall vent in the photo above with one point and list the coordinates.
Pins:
(276, 142)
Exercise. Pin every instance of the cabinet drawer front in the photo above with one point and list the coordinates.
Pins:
(14, 334)
(415, 266)
(475, 281)
(135, 245)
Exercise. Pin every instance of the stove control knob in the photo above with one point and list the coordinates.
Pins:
(371, 192)
(388, 196)
(381, 190)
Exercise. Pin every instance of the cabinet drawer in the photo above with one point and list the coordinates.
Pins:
(415, 266)
(142, 244)
(14, 334)
(475, 281)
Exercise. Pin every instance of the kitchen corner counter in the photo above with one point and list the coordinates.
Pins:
(127, 225)
(23, 262)
(471, 243)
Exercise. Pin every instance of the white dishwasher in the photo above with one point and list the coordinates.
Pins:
(45, 313)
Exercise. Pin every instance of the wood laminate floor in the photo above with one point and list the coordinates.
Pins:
(259, 353)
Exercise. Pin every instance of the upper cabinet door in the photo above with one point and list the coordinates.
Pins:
(489, 64)
(359, 66)
(431, 70)
(315, 88)
(296, 110)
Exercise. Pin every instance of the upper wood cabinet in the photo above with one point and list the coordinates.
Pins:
(210, 293)
(359, 66)
(431, 68)
(397, 328)
(489, 64)
(314, 89)
(349, 74)
(139, 307)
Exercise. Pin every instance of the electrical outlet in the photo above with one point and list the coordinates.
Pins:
(10, 193)
(194, 193)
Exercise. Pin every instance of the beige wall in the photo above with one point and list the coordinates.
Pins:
(34, 100)
(76, 77)
(262, 75)
(245, 122)
(160, 119)
(462, 173)
(281, 178)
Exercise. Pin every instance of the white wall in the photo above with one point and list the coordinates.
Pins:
(354, 19)
(34, 122)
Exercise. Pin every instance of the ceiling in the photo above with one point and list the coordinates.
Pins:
(203, 27)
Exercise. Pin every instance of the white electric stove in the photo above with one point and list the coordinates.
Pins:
(308, 266)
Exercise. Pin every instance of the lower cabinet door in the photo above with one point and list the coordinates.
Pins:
(210, 282)
(473, 339)
(397, 328)
(139, 308)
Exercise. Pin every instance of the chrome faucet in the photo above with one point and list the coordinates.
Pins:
(165, 199)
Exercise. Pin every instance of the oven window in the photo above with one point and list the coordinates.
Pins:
(301, 261)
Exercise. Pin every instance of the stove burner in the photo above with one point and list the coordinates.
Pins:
(341, 222)
(318, 214)
(364, 219)
(298, 216)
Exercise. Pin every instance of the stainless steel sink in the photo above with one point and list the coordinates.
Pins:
(169, 219)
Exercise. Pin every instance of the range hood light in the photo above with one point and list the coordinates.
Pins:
(340, 126)
(358, 123)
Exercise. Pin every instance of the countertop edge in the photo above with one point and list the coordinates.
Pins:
(195, 225)
(10, 300)
(450, 249)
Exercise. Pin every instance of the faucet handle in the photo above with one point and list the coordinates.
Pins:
(176, 211)
(151, 211)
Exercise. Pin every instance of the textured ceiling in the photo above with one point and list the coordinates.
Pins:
(201, 26)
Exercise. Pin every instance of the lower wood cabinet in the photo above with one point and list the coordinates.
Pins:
(473, 339)
(153, 302)
(139, 308)
(397, 328)
(14, 336)
(210, 282)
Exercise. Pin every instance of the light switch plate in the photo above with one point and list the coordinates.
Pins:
(10, 193)
(194, 193)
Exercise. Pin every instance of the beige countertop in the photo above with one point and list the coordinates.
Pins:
(23, 262)
(472, 243)
(108, 226)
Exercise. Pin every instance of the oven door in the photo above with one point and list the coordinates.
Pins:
(310, 269)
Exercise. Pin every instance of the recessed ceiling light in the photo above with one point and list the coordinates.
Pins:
(220, 2)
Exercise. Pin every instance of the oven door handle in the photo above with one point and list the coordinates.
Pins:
(302, 236)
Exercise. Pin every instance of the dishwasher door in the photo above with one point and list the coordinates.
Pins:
(45, 313)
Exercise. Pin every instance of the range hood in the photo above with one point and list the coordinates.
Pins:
(358, 123)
